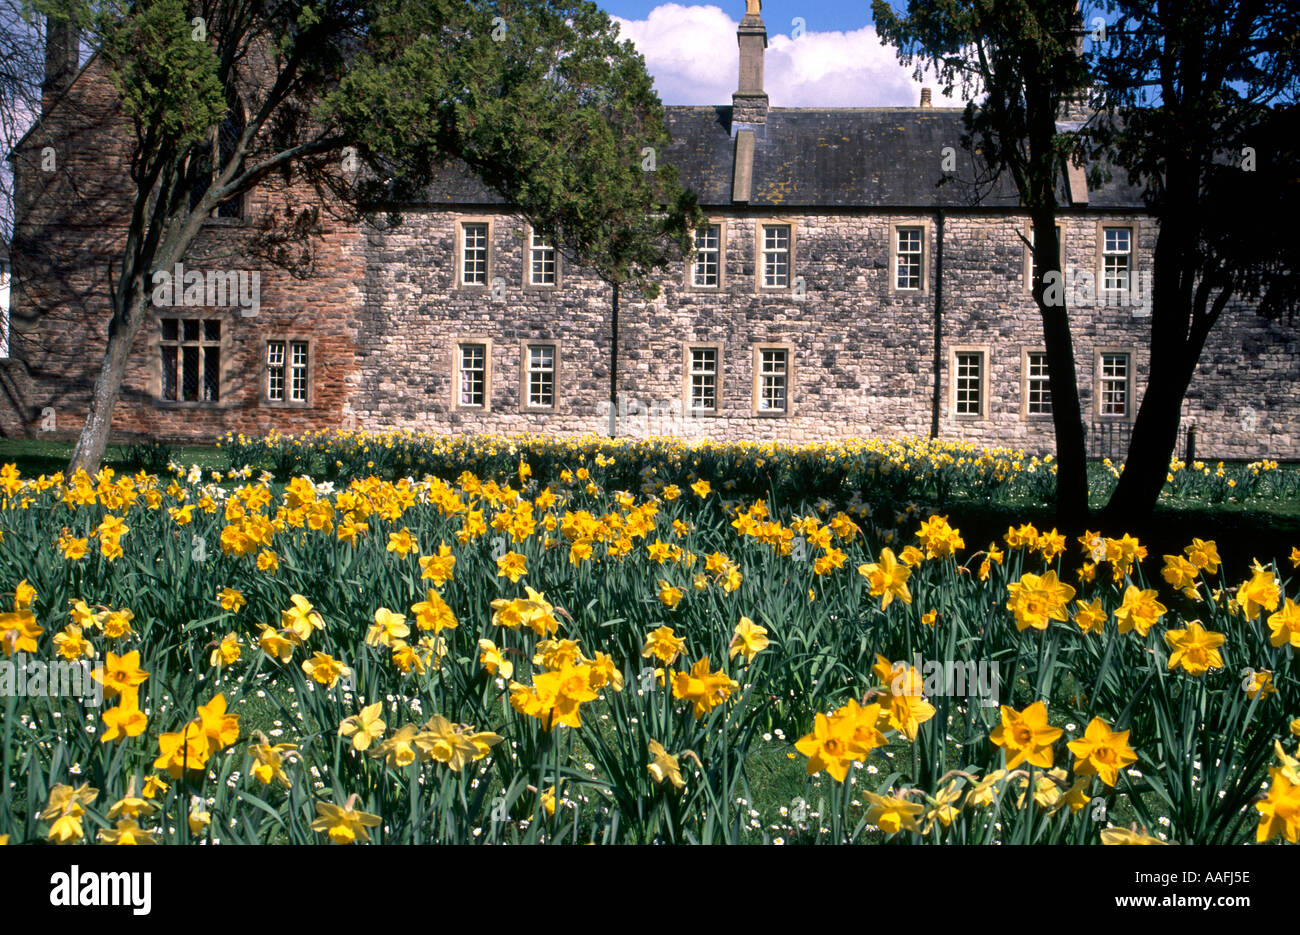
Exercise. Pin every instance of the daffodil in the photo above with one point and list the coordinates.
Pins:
(888, 578)
(344, 825)
(1195, 649)
(664, 766)
(749, 639)
(1102, 752)
(1026, 736)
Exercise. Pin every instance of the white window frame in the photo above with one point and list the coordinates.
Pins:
(955, 379)
(296, 356)
(1106, 256)
(458, 344)
(775, 253)
(704, 253)
(1029, 379)
(1106, 381)
(693, 367)
(531, 369)
(538, 252)
(765, 375)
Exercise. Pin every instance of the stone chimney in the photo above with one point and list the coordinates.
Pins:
(749, 103)
(925, 98)
(62, 51)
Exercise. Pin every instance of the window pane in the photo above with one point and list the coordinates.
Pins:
(473, 374)
(968, 387)
(170, 329)
(474, 256)
(169, 373)
(776, 255)
(772, 380)
(211, 329)
(298, 360)
(704, 378)
(1114, 384)
(211, 373)
(275, 371)
(542, 263)
(908, 268)
(707, 249)
(1038, 386)
(190, 376)
(191, 329)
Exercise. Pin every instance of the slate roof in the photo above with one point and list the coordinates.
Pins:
(887, 157)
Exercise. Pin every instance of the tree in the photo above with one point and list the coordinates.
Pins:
(1200, 110)
(605, 197)
(369, 99)
(1023, 56)
(21, 71)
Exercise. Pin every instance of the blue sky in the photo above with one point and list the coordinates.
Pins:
(838, 61)
(822, 15)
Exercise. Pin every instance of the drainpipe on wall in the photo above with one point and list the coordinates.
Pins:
(613, 365)
(938, 322)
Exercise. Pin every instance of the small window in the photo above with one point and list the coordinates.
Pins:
(1117, 261)
(541, 263)
(776, 256)
(704, 379)
(211, 156)
(708, 248)
(908, 264)
(473, 374)
(968, 383)
(541, 375)
(773, 379)
(1034, 275)
(1038, 388)
(474, 255)
(286, 371)
(191, 360)
(275, 371)
(1113, 392)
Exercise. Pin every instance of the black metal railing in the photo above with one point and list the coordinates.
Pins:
(1110, 440)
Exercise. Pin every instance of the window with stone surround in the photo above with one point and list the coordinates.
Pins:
(472, 374)
(541, 262)
(1114, 382)
(773, 379)
(288, 371)
(1032, 274)
(539, 376)
(702, 369)
(909, 256)
(907, 268)
(474, 239)
(1116, 262)
(706, 272)
(776, 251)
(968, 382)
(190, 358)
(1036, 388)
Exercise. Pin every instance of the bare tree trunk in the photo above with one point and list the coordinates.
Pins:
(92, 442)
(1067, 415)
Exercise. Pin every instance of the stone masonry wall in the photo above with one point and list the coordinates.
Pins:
(862, 353)
(383, 314)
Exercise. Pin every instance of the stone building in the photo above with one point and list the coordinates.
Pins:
(837, 284)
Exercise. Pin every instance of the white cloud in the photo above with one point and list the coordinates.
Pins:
(692, 53)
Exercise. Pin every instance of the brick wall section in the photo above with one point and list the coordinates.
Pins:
(68, 238)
